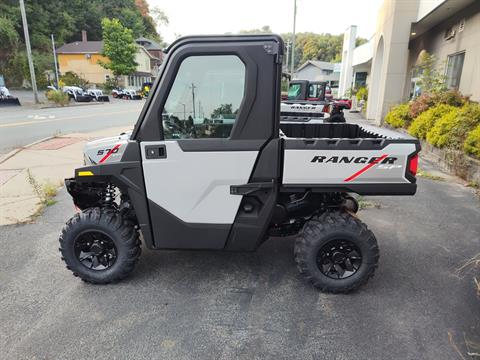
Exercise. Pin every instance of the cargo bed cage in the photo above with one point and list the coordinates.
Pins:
(297, 127)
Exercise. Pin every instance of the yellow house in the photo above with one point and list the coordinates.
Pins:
(82, 58)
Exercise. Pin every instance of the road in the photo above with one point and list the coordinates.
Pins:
(214, 305)
(20, 126)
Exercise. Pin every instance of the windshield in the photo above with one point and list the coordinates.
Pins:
(294, 91)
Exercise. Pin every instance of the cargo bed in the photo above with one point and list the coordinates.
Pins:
(348, 157)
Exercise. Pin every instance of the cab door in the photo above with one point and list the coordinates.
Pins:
(212, 111)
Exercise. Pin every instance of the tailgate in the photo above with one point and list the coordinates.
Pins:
(363, 166)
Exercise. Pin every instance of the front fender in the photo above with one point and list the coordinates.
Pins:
(85, 189)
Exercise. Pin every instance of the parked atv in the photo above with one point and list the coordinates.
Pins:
(130, 94)
(6, 98)
(228, 175)
(309, 98)
(117, 93)
(77, 94)
(97, 95)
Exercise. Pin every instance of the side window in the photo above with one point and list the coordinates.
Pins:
(315, 91)
(205, 98)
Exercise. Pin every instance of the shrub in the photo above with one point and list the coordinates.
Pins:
(426, 120)
(71, 78)
(58, 97)
(421, 104)
(452, 97)
(452, 130)
(110, 84)
(429, 100)
(398, 116)
(437, 134)
(362, 94)
(472, 143)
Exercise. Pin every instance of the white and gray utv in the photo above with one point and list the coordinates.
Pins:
(206, 168)
(97, 95)
(77, 94)
(5, 97)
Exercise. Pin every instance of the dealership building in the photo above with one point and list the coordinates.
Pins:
(386, 64)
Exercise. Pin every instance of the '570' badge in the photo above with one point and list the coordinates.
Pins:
(106, 151)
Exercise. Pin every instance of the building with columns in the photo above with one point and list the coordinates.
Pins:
(448, 29)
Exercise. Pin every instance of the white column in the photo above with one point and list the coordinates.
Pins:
(347, 59)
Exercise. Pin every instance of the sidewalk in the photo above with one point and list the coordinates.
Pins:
(24, 176)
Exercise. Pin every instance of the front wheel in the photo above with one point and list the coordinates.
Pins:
(99, 246)
(336, 252)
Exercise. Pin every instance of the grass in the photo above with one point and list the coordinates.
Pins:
(45, 192)
(365, 204)
(472, 265)
(473, 184)
(427, 175)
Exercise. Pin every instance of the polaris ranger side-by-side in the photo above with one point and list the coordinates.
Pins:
(306, 101)
(209, 165)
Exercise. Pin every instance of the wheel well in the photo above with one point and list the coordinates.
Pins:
(102, 194)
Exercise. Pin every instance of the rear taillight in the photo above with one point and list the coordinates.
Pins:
(326, 109)
(413, 165)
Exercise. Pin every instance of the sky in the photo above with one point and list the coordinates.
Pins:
(190, 17)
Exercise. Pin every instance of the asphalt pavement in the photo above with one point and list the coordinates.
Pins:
(23, 125)
(216, 305)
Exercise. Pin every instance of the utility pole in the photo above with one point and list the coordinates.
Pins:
(293, 37)
(29, 52)
(55, 61)
(193, 99)
(288, 53)
(184, 112)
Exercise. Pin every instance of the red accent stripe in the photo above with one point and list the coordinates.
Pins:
(362, 170)
(109, 153)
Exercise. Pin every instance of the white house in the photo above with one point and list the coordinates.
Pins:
(314, 70)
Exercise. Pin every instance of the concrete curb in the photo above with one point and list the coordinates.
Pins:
(16, 151)
(72, 105)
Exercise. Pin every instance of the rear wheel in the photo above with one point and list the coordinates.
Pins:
(336, 252)
(99, 246)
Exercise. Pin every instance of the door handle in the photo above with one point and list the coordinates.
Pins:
(155, 152)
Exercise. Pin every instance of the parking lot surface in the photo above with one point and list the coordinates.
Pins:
(215, 305)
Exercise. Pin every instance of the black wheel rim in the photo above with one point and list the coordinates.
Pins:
(95, 250)
(339, 259)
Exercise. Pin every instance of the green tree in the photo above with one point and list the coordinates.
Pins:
(221, 111)
(65, 19)
(119, 47)
(311, 46)
(431, 79)
(8, 42)
(263, 30)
